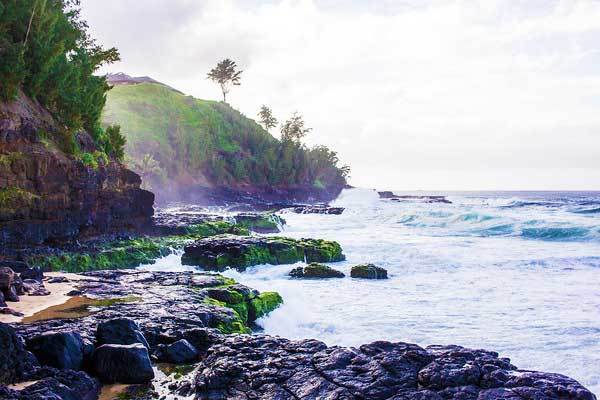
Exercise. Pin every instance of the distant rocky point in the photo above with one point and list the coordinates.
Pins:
(121, 78)
(425, 198)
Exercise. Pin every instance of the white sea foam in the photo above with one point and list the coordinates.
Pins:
(519, 274)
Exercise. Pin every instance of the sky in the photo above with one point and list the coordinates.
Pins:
(412, 94)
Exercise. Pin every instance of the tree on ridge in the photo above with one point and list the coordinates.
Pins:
(266, 117)
(226, 75)
(293, 130)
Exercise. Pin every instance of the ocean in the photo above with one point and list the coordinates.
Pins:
(514, 272)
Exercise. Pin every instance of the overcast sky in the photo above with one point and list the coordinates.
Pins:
(413, 94)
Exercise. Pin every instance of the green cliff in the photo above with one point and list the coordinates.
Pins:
(182, 145)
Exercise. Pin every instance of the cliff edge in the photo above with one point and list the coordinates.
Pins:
(48, 195)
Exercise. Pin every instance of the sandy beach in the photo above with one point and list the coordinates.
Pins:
(29, 305)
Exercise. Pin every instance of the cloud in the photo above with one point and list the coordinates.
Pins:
(401, 89)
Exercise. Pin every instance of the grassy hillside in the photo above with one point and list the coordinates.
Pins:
(177, 139)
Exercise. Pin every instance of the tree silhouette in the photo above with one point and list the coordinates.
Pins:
(293, 129)
(225, 75)
(266, 117)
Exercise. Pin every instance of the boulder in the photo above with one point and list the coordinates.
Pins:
(318, 209)
(120, 331)
(17, 266)
(180, 352)
(34, 273)
(129, 364)
(62, 350)
(53, 384)
(368, 271)
(14, 359)
(316, 271)
(7, 277)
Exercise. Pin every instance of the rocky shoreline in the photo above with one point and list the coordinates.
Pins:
(198, 324)
(192, 335)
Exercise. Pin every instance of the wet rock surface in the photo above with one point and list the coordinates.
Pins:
(368, 271)
(260, 222)
(263, 367)
(220, 252)
(155, 306)
(123, 363)
(178, 316)
(315, 271)
(318, 209)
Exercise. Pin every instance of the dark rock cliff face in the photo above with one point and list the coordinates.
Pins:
(258, 197)
(48, 196)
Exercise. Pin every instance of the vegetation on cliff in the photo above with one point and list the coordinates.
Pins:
(176, 138)
(46, 52)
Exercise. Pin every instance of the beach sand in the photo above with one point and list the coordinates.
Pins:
(29, 305)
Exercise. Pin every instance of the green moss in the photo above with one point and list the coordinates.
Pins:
(263, 304)
(177, 371)
(117, 300)
(12, 197)
(270, 250)
(247, 307)
(6, 160)
(212, 228)
(132, 252)
(262, 223)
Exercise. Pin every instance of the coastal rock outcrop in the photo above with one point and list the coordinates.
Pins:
(368, 271)
(264, 367)
(260, 222)
(220, 252)
(318, 209)
(177, 313)
(47, 195)
(315, 271)
(420, 198)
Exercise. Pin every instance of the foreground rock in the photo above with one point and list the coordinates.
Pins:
(123, 363)
(368, 271)
(262, 367)
(316, 271)
(178, 313)
(220, 252)
(62, 350)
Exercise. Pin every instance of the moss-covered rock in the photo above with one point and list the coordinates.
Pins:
(130, 253)
(260, 223)
(248, 304)
(316, 271)
(220, 252)
(368, 271)
(263, 304)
